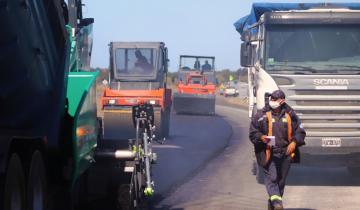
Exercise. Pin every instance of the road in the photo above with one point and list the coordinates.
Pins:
(227, 182)
(194, 141)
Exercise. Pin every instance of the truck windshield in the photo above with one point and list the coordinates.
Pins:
(135, 62)
(197, 63)
(313, 48)
(85, 42)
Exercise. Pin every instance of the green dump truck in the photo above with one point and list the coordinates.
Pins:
(48, 122)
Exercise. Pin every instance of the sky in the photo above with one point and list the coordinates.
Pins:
(192, 27)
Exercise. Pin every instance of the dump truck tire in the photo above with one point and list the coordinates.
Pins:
(128, 197)
(124, 198)
(159, 124)
(37, 183)
(14, 192)
(162, 123)
(167, 122)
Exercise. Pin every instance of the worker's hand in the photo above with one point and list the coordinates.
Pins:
(291, 148)
(264, 139)
(281, 101)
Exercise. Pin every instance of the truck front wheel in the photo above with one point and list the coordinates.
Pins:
(37, 188)
(14, 197)
(167, 122)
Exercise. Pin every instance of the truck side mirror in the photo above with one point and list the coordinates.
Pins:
(86, 22)
(246, 52)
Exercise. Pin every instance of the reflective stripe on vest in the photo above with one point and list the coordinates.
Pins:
(270, 132)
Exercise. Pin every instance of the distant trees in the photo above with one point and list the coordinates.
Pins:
(226, 75)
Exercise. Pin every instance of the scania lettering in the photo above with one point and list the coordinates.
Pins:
(331, 82)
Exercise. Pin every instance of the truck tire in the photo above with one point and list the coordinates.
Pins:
(125, 198)
(37, 183)
(14, 192)
(127, 195)
(167, 122)
(159, 125)
(131, 196)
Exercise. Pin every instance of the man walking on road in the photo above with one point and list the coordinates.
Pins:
(276, 133)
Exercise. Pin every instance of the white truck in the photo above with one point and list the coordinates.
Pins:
(312, 53)
(231, 91)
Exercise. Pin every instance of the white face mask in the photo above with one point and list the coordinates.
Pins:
(274, 104)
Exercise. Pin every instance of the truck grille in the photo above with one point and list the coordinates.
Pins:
(325, 113)
(328, 92)
(328, 103)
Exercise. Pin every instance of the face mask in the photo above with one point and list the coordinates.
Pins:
(274, 104)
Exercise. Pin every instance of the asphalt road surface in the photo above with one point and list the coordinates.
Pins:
(194, 141)
(227, 182)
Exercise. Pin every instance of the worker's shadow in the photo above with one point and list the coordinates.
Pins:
(315, 176)
(298, 209)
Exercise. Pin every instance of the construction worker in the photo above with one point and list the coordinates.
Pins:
(276, 133)
(197, 64)
(206, 66)
(142, 62)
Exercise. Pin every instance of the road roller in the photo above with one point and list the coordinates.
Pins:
(196, 85)
(137, 75)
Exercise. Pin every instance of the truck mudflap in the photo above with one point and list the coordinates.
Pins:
(194, 104)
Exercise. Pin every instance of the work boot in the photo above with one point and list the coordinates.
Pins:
(277, 205)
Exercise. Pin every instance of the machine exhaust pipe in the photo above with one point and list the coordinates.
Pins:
(118, 154)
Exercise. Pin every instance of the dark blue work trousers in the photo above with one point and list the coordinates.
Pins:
(275, 173)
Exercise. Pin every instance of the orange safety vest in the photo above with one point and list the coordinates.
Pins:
(270, 131)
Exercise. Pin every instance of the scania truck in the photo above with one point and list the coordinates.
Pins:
(311, 52)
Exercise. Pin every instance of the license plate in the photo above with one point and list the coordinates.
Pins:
(331, 142)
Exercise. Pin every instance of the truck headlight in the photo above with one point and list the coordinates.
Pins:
(112, 101)
(153, 102)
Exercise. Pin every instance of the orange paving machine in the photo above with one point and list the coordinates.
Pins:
(137, 75)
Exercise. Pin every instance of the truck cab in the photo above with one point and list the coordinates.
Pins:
(311, 52)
